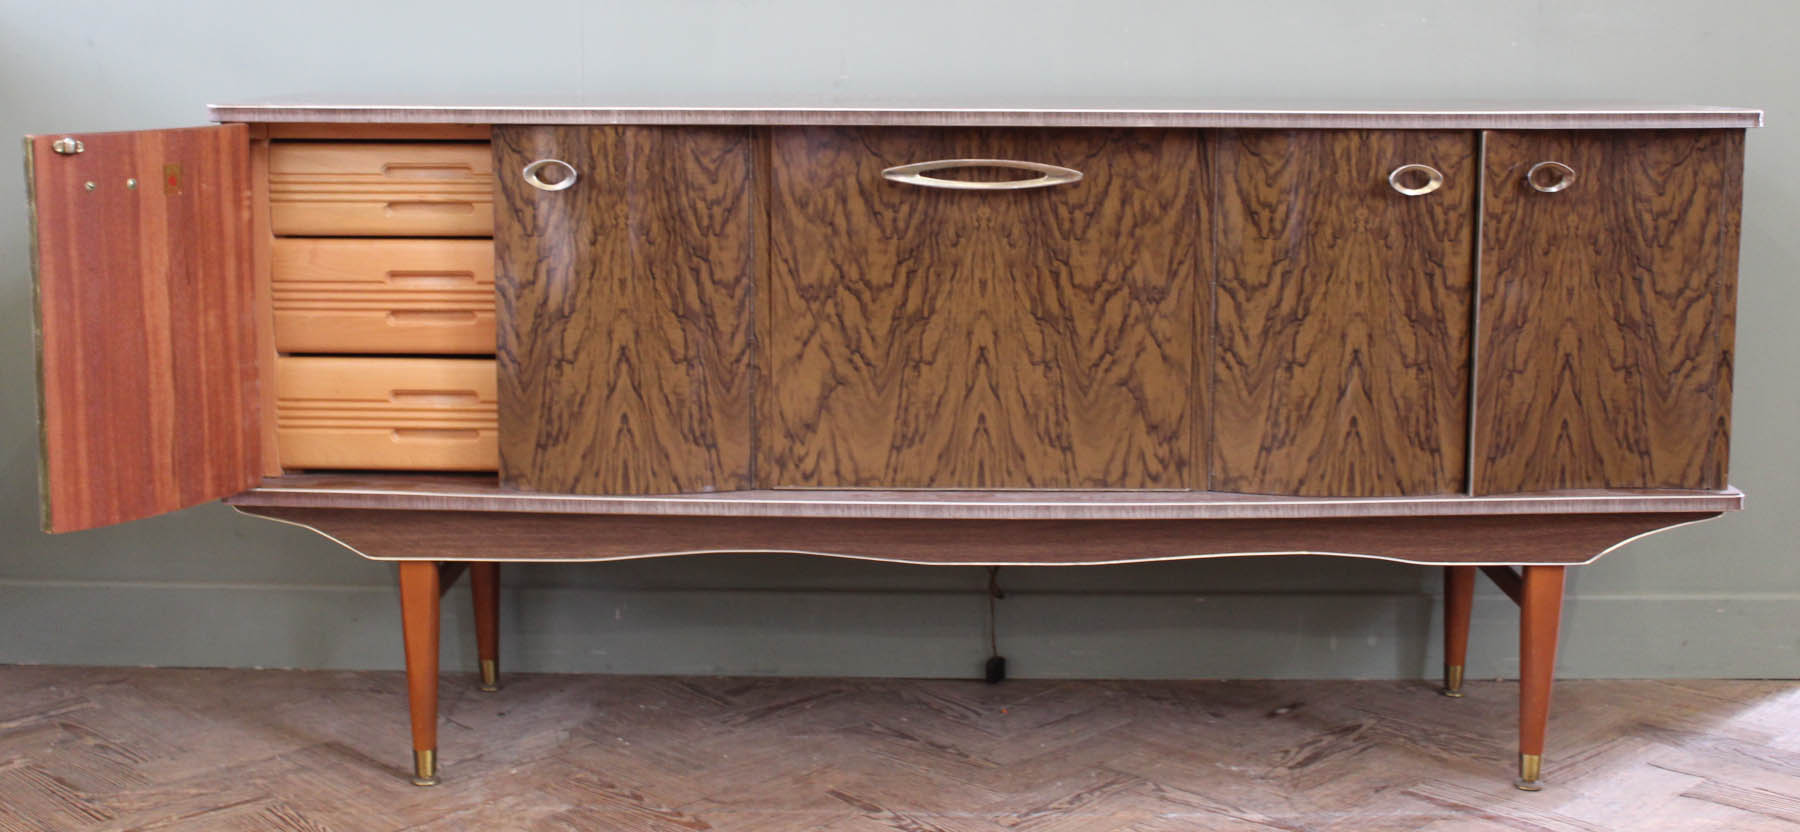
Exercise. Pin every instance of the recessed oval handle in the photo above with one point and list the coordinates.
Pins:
(531, 175)
(1434, 179)
(1550, 177)
(1048, 175)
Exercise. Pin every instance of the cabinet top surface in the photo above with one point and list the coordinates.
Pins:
(1059, 112)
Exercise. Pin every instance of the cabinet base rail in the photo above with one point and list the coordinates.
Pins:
(435, 548)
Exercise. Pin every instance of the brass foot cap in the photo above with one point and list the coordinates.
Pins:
(1453, 678)
(490, 675)
(425, 767)
(1530, 765)
(488, 688)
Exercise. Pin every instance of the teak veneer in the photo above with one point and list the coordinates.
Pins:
(1483, 337)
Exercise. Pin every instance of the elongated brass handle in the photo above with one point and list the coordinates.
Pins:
(1434, 179)
(531, 175)
(1048, 175)
(1564, 176)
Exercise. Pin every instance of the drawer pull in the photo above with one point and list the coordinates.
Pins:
(1048, 175)
(1560, 178)
(423, 209)
(531, 175)
(435, 435)
(429, 280)
(431, 317)
(435, 398)
(1434, 179)
(426, 170)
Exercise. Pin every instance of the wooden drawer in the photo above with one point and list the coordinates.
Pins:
(381, 189)
(384, 296)
(426, 414)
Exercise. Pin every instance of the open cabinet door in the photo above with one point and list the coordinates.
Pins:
(146, 340)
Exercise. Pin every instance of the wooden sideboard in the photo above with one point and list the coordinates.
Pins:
(1488, 338)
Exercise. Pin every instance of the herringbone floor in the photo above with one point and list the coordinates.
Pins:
(104, 748)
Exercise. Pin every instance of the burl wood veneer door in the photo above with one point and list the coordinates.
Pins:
(1042, 338)
(146, 341)
(625, 309)
(1341, 345)
(1605, 336)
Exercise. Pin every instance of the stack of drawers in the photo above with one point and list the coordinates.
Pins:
(382, 278)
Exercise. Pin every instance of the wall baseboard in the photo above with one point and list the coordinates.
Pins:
(899, 633)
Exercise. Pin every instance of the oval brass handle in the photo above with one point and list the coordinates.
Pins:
(531, 175)
(1048, 175)
(1565, 176)
(1434, 179)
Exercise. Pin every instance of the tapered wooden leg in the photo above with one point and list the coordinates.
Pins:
(1540, 613)
(484, 580)
(419, 622)
(1459, 599)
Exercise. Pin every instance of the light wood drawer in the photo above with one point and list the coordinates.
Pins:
(424, 414)
(384, 296)
(381, 189)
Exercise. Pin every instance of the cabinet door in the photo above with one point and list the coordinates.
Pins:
(1341, 358)
(924, 337)
(146, 340)
(624, 316)
(1605, 327)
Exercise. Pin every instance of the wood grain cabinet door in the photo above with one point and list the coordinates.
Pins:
(146, 340)
(1341, 329)
(922, 337)
(624, 309)
(1605, 335)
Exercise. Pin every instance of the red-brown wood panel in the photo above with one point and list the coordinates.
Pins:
(1604, 342)
(146, 341)
(928, 338)
(1341, 340)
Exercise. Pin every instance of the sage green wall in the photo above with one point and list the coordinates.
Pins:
(207, 587)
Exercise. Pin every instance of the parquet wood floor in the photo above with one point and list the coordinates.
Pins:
(117, 749)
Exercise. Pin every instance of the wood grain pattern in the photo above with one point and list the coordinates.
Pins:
(262, 245)
(218, 750)
(484, 493)
(337, 295)
(1605, 332)
(1341, 350)
(147, 350)
(387, 413)
(625, 324)
(960, 339)
(508, 536)
(1134, 111)
(378, 189)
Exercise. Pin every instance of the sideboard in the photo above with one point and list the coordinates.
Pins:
(1492, 338)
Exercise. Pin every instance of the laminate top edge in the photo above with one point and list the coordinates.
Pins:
(436, 493)
(1476, 117)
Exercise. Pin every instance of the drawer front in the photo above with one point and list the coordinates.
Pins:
(381, 189)
(383, 296)
(428, 414)
(923, 336)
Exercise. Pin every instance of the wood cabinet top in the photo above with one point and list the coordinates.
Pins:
(1063, 112)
